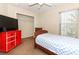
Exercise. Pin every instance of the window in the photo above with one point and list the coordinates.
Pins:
(69, 23)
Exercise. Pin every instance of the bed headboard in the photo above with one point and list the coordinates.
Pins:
(39, 32)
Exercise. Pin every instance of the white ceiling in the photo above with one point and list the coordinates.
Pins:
(35, 7)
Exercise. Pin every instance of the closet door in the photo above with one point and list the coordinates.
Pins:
(69, 23)
(26, 25)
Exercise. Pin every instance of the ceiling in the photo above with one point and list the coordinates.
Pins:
(36, 7)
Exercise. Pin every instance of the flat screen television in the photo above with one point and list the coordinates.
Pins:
(7, 23)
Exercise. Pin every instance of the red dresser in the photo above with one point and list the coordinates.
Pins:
(9, 40)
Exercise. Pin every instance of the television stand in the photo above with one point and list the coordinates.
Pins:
(9, 40)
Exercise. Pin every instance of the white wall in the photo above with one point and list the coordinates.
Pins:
(11, 10)
(51, 19)
(3, 9)
(38, 20)
(48, 20)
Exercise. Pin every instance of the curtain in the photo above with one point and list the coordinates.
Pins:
(69, 23)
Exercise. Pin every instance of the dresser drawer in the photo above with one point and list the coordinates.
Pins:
(11, 45)
(11, 33)
(11, 39)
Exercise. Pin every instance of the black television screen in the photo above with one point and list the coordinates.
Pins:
(7, 23)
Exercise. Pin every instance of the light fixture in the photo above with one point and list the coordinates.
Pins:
(41, 4)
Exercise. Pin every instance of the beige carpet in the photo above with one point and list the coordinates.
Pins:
(26, 48)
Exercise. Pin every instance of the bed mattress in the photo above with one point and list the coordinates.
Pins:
(60, 45)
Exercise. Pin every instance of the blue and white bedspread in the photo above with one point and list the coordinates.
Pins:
(60, 45)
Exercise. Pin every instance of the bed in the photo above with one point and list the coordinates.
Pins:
(55, 44)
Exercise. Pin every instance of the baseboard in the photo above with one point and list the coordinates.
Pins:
(28, 37)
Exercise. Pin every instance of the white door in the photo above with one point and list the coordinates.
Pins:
(26, 25)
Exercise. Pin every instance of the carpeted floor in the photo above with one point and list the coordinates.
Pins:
(26, 48)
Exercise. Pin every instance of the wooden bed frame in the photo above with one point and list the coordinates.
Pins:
(40, 47)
